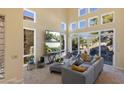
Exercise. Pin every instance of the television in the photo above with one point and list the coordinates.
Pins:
(52, 42)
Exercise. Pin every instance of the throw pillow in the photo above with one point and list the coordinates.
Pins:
(84, 57)
(79, 69)
(97, 58)
(78, 62)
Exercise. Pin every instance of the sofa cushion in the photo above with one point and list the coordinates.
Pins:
(85, 65)
(89, 76)
(79, 69)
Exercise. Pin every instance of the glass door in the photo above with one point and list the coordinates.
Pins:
(94, 44)
(75, 44)
(89, 42)
(106, 45)
(84, 42)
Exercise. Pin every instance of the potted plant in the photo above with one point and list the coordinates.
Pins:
(59, 59)
(31, 59)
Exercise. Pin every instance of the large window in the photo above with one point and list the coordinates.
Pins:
(74, 42)
(89, 42)
(28, 44)
(29, 15)
(82, 11)
(93, 21)
(108, 18)
(73, 26)
(62, 42)
(107, 46)
(82, 24)
(52, 41)
(95, 43)
(83, 42)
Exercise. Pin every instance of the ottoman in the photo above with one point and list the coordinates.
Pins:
(56, 67)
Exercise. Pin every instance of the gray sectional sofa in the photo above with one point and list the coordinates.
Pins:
(70, 76)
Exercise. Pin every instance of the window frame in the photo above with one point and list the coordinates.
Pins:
(81, 21)
(108, 14)
(65, 27)
(79, 9)
(91, 19)
(89, 11)
(25, 9)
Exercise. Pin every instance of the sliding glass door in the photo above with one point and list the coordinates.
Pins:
(95, 43)
(84, 39)
(75, 44)
(89, 42)
(106, 45)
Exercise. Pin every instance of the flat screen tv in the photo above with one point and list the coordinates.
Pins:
(52, 42)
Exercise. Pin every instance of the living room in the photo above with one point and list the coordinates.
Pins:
(96, 26)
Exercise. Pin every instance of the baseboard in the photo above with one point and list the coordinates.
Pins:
(12, 81)
(120, 68)
(2, 81)
(21, 81)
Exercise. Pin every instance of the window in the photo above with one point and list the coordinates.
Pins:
(29, 15)
(93, 21)
(89, 42)
(98, 43)
(75, 43)
(82, 24)
(63, 44)
(28, 44)
(52, 41)
(63, 26)
(107, 18)
(93, 10)
(82, 11)
(73, 26)
(107, 46)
